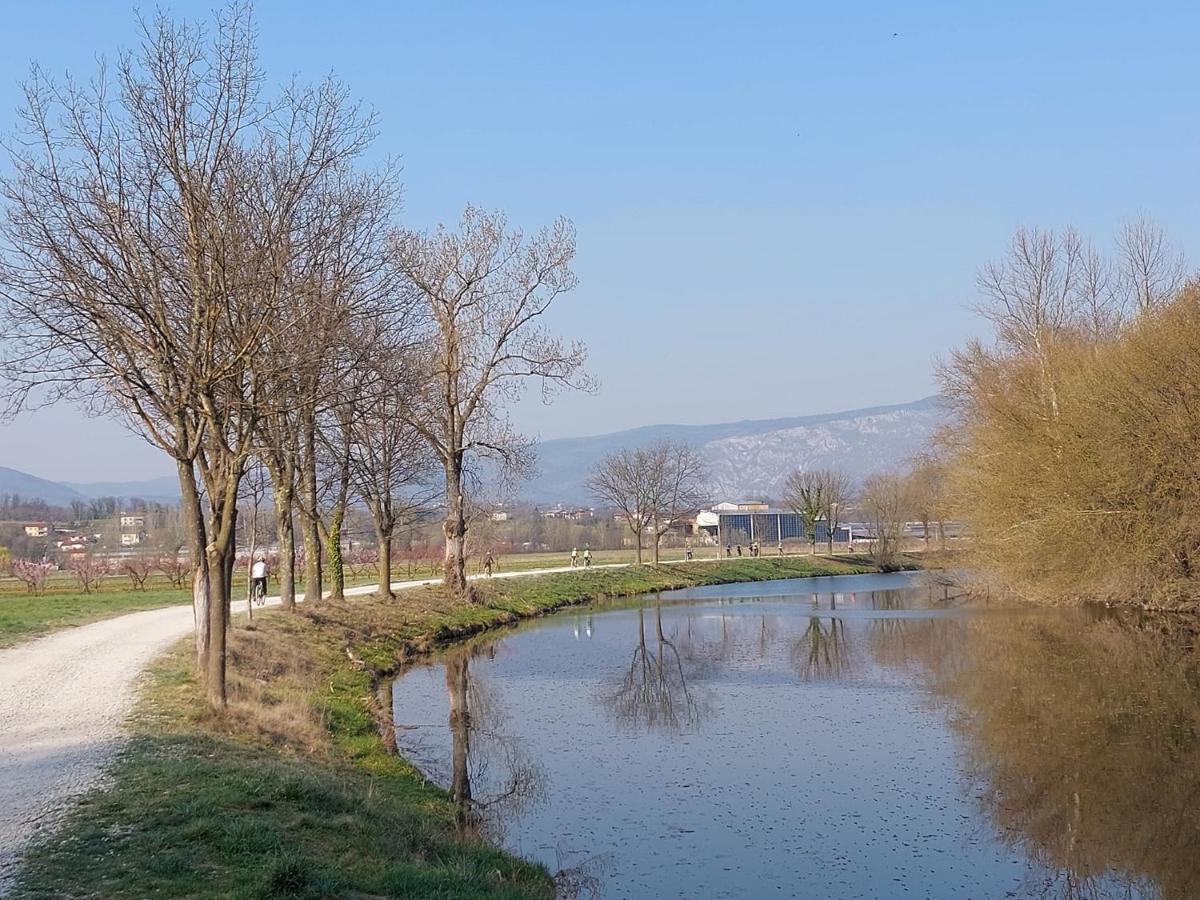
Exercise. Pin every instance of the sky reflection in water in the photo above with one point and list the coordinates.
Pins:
(842, 738)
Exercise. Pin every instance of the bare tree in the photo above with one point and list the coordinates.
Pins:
(804, 494)
(836, 496)
(677, 483)
(1030, 297)
(486, 290)
(1151, 270)
(887, 501)
(390, 467)
(622, 481)
(138, 568)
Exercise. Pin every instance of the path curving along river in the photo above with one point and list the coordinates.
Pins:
(64, 701)
(853, 737)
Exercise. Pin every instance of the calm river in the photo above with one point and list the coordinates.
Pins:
(854, 737)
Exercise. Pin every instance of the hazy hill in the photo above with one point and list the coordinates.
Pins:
(15, 482)
(751, 458)
(748, 459)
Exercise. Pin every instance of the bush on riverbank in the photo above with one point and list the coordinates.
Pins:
(295, 791)
(1074, 459)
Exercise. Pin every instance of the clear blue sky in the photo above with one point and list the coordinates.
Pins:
(780, 206)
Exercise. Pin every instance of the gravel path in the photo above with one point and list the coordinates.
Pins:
(64, 700)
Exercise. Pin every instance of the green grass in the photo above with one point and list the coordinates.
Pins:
(24, 616)
(193, 812)
(296, 791)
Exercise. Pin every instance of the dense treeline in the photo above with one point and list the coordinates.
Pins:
(1073, 459)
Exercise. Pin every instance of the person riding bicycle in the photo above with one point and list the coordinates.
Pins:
(258, 580)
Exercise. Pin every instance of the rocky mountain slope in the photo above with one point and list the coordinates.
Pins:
(751, 459)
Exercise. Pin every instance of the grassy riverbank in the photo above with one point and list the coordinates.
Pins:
(295, 791)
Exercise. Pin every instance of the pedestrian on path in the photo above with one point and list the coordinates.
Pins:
(488, 562)
(574, 557)
(587, 557)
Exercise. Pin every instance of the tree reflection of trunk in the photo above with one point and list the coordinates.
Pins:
(823, 651)
(654, 691)
(458, 680)
(491, 779)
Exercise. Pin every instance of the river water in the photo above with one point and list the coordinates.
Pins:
(852, 737)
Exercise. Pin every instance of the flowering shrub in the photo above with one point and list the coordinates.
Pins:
(32, 574)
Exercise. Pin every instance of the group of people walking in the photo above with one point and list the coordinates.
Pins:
(755, 549)
(587, 557)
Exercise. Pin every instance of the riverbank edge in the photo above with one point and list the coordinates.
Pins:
(287, 794)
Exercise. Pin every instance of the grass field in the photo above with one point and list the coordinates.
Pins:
(24, 616)
(295, 791)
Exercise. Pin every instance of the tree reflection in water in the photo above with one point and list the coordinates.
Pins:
(823, 650)
(654, 691)
(491, 778)
(1083, 741)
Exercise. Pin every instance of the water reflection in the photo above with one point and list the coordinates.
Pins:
(987, 753)
(653, 690)
(1082, 734)
(483, 752)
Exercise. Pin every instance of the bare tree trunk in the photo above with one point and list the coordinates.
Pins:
(310, 527)
(455, 528)
(250, 558)
(637, 539)
(217, 620)
(287, 546)
(385, 564)
(337, 567)
(457, 681)
(193, 518)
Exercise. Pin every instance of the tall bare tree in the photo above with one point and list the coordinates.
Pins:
(887, 502)
(678, 485)
(836, 496)
(486, 290)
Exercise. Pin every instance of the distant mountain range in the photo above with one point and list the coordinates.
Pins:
(56, 493)
(747, 460)
(751, 459)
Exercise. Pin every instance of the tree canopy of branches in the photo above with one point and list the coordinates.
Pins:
(485, 290)
(653, 487)
(389, 465)
(816, 495)
(887, 502)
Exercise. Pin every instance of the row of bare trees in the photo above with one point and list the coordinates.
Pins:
(653, 488)
(213, 262)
